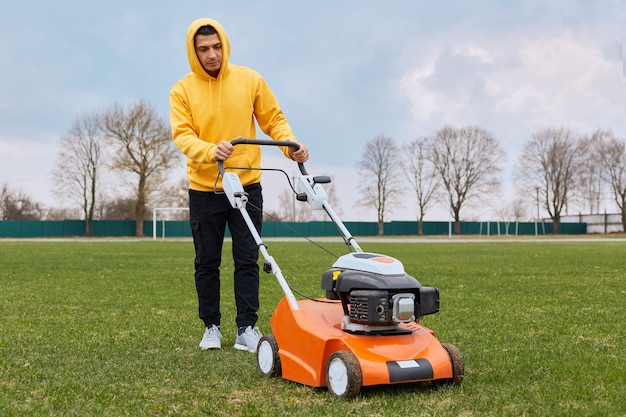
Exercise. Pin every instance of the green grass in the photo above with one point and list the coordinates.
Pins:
(110, 329)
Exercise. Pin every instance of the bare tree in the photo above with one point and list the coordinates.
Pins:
(287, 201)
(175, 195)
(468, 162)
(18, 205)
(422, 176)
(63, 214)
(590, 186)
(122, 208)
(511, 213)
(379, 167)
(612, 157)
(519, 209)
(272, 216)
(79, 163)
(551, 163)
(144, 149)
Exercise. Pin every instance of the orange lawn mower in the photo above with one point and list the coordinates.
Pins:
(366, 331)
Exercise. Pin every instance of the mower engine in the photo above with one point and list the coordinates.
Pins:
(376, 293)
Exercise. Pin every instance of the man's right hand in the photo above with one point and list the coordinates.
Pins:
(223, 151)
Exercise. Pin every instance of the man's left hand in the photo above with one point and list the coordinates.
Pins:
(301, 155)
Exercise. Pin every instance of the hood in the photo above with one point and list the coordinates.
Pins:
(194, 62)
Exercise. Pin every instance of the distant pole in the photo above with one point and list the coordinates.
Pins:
(450, 220)
(537, 218)
(537, 189)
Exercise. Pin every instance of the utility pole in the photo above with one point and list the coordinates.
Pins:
(537, 203)
(537, 218)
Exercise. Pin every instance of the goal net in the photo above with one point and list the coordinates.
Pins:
(166, 213)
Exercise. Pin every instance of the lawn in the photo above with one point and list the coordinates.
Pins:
(93, 328)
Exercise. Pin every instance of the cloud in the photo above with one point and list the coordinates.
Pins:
(518, 83)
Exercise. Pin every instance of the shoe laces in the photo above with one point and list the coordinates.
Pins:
(253, 331)
(213, 331)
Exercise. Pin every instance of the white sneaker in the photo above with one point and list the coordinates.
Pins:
(211, 338)
(249, 339)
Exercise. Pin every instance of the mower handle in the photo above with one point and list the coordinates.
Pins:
(269, 142)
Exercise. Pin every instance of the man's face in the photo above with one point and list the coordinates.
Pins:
(209, 51)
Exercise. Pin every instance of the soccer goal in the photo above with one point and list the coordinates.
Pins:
(165, 211)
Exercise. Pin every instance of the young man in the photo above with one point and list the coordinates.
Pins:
(215, 103)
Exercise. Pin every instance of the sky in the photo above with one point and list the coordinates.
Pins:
(344, 73)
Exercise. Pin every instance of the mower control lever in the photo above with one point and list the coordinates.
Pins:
(321, 179)
(316, 180)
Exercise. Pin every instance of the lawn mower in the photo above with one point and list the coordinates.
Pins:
(366, 330)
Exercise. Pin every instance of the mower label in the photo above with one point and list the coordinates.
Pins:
(408, 364)
(411, 370)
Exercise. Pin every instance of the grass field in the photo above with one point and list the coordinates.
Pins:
(110, 329)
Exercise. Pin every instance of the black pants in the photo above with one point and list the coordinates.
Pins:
(209, 213)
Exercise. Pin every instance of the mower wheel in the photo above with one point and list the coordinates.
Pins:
(343, 374)
(267, 358)
(458, 366)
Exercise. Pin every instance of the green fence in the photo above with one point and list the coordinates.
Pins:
(66, 228)
(118, 228)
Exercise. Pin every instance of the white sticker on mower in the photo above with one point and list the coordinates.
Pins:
(408, 364)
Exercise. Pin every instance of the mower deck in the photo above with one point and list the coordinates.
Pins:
(307, 337)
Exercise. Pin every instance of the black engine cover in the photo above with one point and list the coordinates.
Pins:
(340, 284)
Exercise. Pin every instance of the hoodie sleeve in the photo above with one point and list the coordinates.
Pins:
(270, 117)
(183, 132)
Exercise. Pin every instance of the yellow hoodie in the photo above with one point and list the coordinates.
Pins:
(205, 110)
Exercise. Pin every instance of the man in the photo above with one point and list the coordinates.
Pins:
(215, 103)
